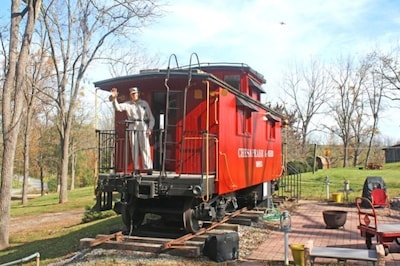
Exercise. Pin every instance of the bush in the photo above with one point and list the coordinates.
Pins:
(91, 215)
(302, 167)
(52, 183)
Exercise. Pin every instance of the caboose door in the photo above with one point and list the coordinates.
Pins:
(169, 119)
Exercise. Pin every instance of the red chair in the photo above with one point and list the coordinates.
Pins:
(379, 198)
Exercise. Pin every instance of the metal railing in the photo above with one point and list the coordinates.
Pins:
(26, 259)
(106, 150)
(290, 184)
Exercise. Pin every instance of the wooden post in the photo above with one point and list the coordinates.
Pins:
(307, 250)
(380, 254)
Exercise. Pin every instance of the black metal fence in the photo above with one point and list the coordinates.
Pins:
(290, 184)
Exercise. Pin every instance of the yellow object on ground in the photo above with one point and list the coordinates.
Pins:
(298, 254)
(337, 197)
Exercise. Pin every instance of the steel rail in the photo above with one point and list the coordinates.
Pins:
(177, 243)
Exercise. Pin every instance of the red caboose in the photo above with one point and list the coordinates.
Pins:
(215, 146)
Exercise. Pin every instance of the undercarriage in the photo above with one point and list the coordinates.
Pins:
(181, 202)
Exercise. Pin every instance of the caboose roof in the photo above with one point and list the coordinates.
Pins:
(233, 66)
(150, 73)
(198, 70)
(196, 73)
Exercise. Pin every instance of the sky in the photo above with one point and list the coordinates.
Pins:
(270, 35)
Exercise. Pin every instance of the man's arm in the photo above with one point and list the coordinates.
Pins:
(149, 115)
(113, 99)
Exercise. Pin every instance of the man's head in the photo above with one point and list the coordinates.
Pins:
(133, 90)
(134, 93)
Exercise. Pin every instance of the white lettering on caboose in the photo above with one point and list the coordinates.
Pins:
(254, 153)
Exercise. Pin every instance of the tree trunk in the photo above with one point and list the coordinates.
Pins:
(73, 165)
(371, 138)
(42, 191)
(64, 168)
(6, 186)
(26, 158)
(345, 154)
(12, 103)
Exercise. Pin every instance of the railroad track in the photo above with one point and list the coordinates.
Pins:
(187, 245)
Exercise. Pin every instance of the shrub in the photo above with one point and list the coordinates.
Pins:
(302, 167)
(91, 215)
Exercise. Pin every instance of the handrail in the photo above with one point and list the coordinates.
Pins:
(30, 257)
(166, 112)
(207, 139)
(185, 106)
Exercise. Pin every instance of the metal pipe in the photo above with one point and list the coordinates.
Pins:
(207, 140)
(163, 171)
(35, 255)
(286, 248)
(126, 149)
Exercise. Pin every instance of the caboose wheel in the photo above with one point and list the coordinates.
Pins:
(190, 222)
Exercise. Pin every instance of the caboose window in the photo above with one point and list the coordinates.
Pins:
(271, 128)
(233, 80)
(244, 120)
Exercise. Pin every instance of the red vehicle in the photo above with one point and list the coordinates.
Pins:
(215, 146)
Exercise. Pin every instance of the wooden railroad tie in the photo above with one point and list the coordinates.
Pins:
(100, 239)
(190, 245)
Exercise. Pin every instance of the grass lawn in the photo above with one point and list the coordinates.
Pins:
(313, 186)
(79, 198)
(58, 242)
(54, 242)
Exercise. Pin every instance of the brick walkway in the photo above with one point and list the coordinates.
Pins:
(308, 223)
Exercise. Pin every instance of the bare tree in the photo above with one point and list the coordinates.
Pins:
(308, 90)
(78, 31)
(22, 15)
(375, 90)
(30, 102)
(82, 139)
(290, 135)
(127, 62)
(390, 72)
(37, 75)
(346, 107)
(359, 128)
(47, 147)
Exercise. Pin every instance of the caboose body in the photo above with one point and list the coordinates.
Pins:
(215, 146)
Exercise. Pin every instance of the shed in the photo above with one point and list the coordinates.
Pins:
(392, 154)
(323, 162)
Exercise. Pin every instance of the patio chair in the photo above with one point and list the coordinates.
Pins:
(379, 198)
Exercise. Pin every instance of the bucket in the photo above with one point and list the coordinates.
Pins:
(298, 254)
(337, 197)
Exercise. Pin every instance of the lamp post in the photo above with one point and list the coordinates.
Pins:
(326, 182)
(286, 227)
